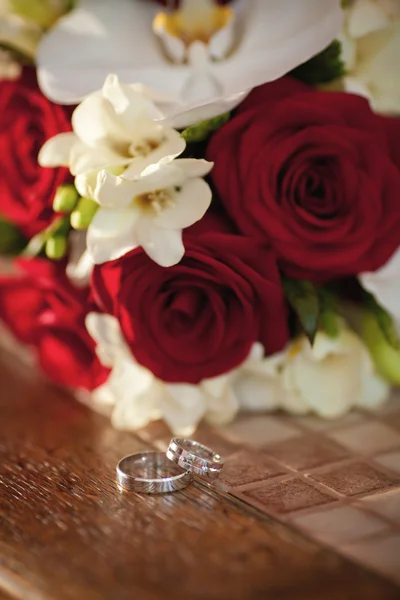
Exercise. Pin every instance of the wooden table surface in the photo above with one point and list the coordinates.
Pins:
(67, 533)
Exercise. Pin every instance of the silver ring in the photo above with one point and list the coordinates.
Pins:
(151, 473)
(195, 457)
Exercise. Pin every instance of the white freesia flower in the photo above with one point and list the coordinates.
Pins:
(136, 397)
(371, 47)
(196, 63)
(149, 211)
(331, 377)
(258, 382)
(385, 286)
(112, 129)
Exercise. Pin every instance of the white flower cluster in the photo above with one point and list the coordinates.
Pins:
(328, 379)
(128, 163)
(371, 50)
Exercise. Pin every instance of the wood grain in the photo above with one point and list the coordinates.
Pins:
(67, 533)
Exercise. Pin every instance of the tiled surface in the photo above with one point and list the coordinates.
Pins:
(336, 481)
(340, 525)
(356, 478)
(284, 497)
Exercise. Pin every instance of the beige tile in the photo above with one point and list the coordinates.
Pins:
(355, 478)
(305, 452)
(367, 438)
(339, 525)
(258, 431)
(284, 497)
(381, 553)
(248, 467)
(317, 424)
(390, 460)
(386, 504)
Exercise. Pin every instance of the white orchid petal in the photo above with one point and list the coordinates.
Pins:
(164, 246)
(57, 150)
(111, 234)
(190, 205)
(97, 38)
(278, 36)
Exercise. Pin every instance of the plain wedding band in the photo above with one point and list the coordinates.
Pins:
(195, 457)
(151, 473)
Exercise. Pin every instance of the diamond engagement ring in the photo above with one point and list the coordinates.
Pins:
(151, 473)
(195, 458)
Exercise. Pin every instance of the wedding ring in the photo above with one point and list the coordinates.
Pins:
(151, 473)
(195, 458)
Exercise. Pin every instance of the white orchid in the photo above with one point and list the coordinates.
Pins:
(371, 47)
(149, 211)
(136, 397)
(384, 284)
(196, 62)
(331, 377)
(112, 129)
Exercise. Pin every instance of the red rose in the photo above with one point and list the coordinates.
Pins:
(27, 120)
(197, 319)
(43, 310)
(313, 173)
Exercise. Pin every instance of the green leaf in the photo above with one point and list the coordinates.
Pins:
(322, 68)
(383, 319)
(328, 318)
(12, 242)
(304, 299)
(202, 131)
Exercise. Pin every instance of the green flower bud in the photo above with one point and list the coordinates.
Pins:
(385, 355)
(11, 240)
(56, 247)
(65, 199)
(83, 214)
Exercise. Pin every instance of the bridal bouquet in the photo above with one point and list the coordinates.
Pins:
(202, 203)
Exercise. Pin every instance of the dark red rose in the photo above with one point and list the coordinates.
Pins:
(27, 120)
(315, 174)
(197, 319)
(42, 309)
